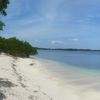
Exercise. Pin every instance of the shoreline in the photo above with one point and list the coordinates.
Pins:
(55, 66)
(28, 79)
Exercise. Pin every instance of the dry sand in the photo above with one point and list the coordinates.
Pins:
(27, 79)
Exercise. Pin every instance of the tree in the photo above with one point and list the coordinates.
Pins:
(3, 7)
(16, 47)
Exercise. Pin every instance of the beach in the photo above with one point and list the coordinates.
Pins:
(28, 79)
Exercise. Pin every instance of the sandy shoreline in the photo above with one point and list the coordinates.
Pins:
(27, 79)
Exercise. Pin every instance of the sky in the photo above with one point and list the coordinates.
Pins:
(54, 23)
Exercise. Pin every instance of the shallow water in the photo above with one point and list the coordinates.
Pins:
(79, 68)
(84, 59)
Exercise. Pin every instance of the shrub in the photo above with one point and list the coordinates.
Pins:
(15, 47)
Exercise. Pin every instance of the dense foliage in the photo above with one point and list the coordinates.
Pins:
(15, 47)
(3, 7)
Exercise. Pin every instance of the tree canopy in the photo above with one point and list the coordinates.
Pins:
(15, 47)
(3, 7)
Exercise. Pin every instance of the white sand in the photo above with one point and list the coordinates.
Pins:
(27, 79)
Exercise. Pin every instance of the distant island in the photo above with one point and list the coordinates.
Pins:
(66, 49)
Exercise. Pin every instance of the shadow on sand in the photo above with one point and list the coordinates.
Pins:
(6, 84)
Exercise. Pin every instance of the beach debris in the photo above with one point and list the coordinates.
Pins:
(32, 64)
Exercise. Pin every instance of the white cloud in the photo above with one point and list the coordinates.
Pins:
(57, 42)
(75, 39)
(36, 40)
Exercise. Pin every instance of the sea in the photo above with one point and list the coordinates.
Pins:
(75, 67)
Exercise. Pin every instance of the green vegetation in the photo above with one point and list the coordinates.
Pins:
(13, 46)
(3, 7)
(17, 48)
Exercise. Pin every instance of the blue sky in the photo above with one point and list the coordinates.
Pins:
(54, 23)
